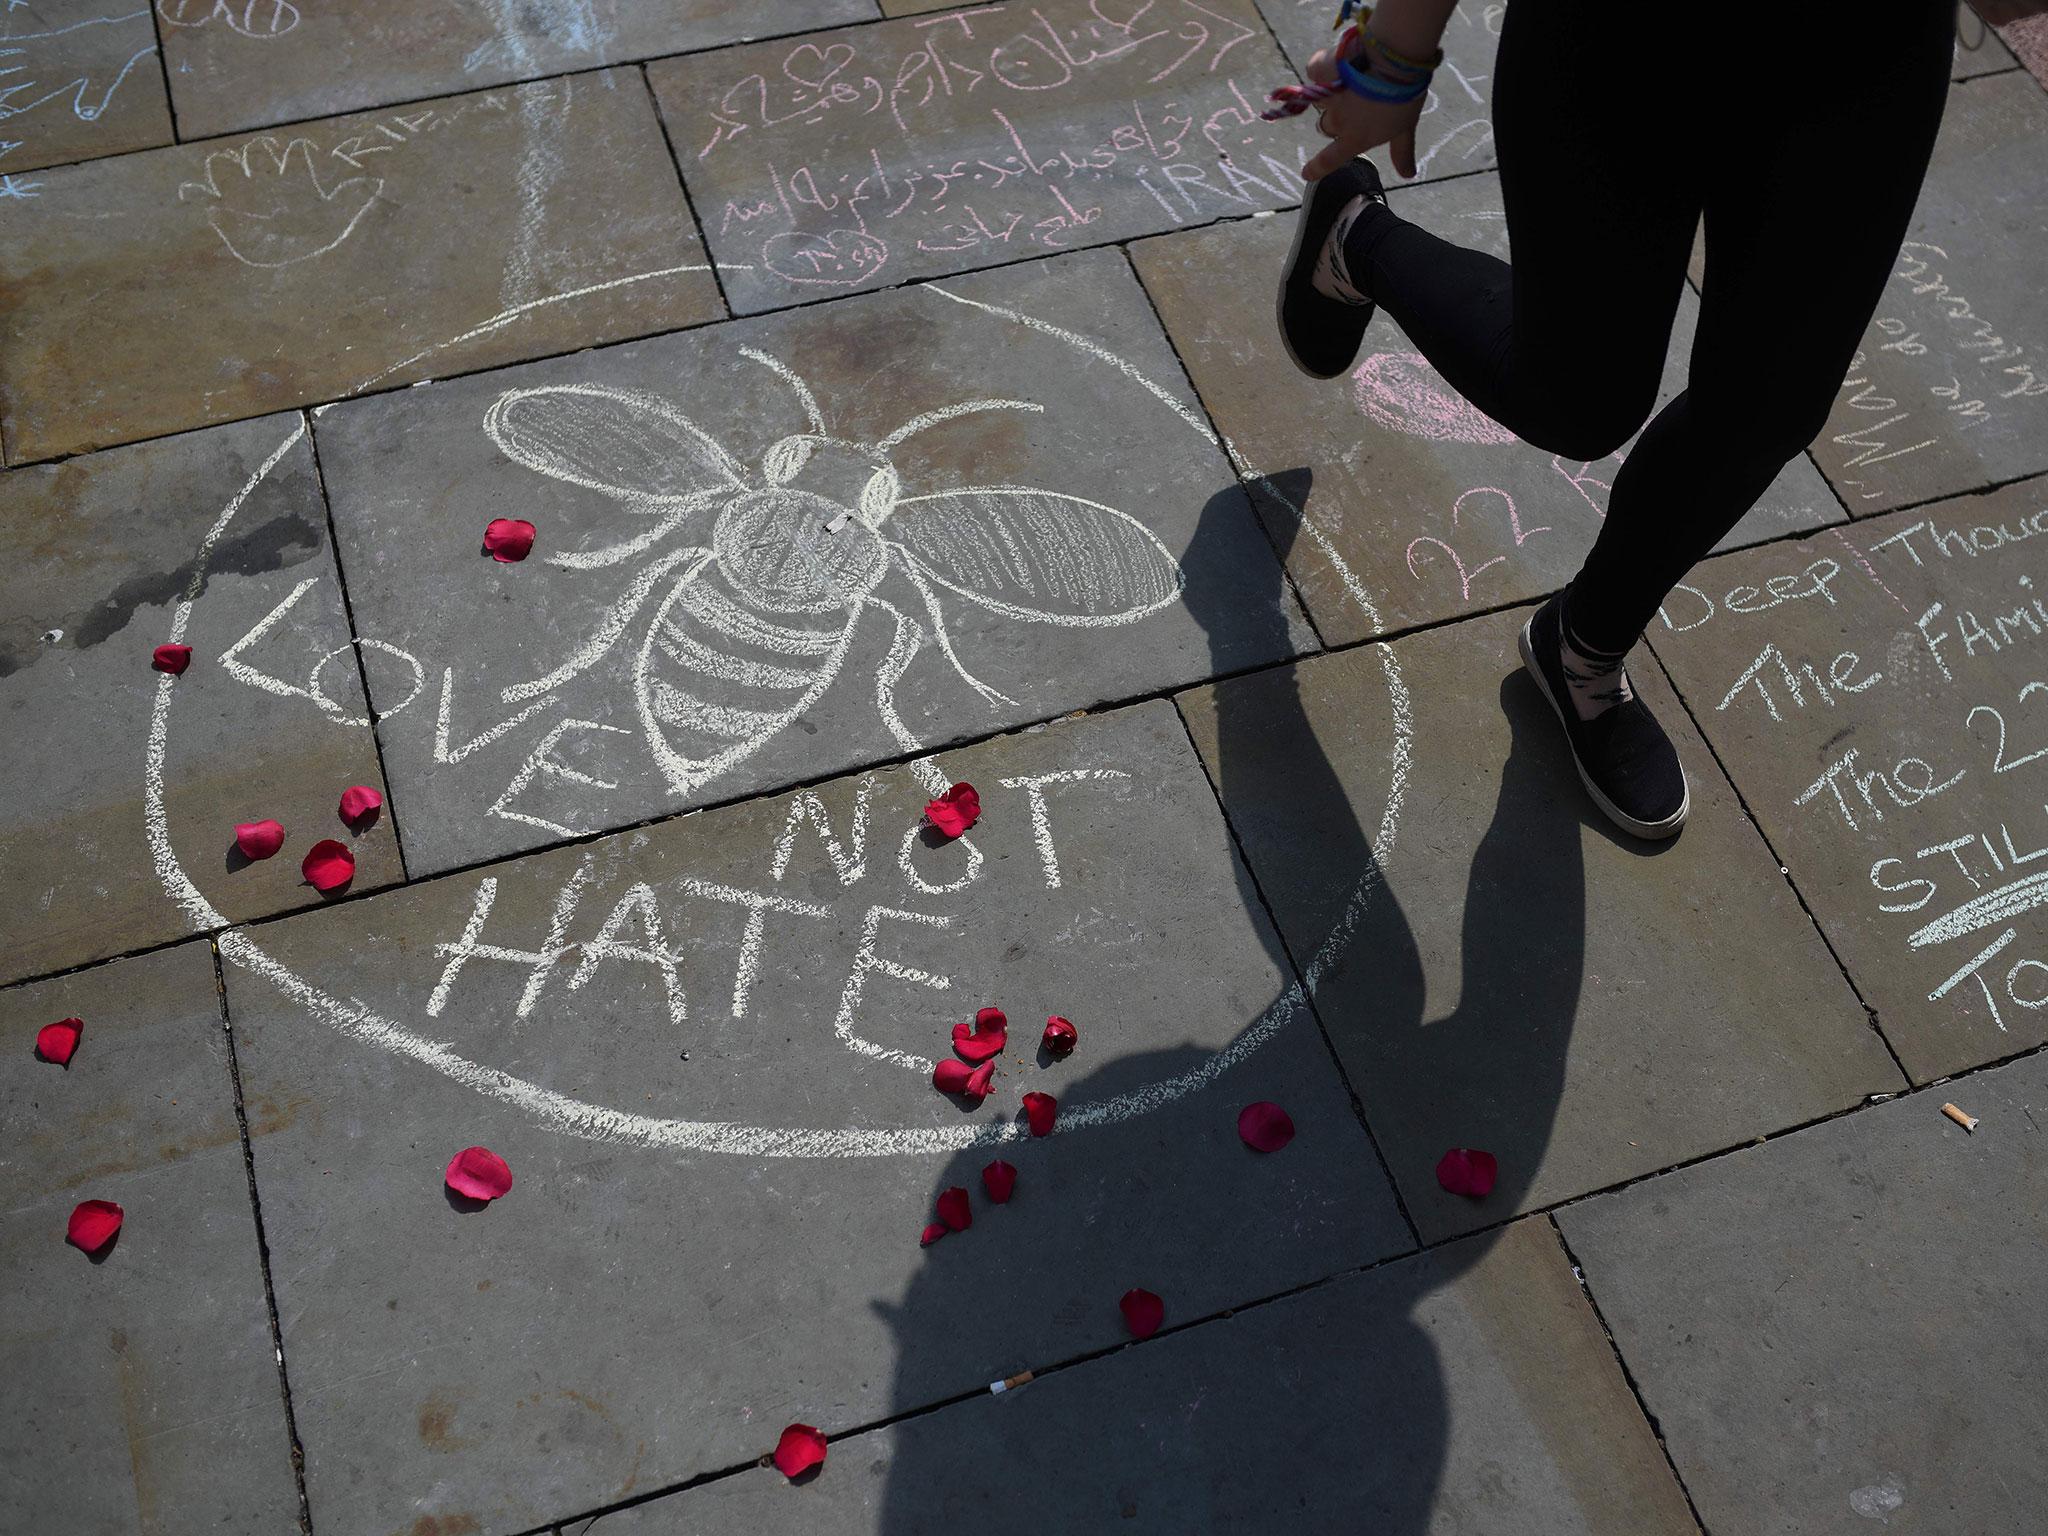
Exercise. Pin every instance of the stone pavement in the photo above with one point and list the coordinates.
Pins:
(932, 346)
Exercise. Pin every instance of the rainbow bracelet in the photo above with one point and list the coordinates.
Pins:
(1375, 88)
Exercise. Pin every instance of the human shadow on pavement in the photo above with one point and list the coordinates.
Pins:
(1329, 1410)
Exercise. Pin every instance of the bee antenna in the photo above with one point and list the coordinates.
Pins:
(788, 375)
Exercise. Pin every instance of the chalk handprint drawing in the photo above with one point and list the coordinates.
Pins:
(268, 205)
(770, 572)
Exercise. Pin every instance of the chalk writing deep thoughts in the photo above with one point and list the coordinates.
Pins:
(982, 135)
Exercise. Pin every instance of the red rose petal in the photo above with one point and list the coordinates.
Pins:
(328, 865)
(1143, 1313)
(800, 1449)
(258, 839)
(954, 1210)
(1265, 1127)
(1468, 1171)
(955, 811)
(171, 658)
(1039, 1108)
(981, 1080)
(950, 1076)
(932, 1233)
(55, 1042)
(1060, 1036)
(93, 1225)
(479, 1173)
(999, 1179)
(508, 539)
(988, 1034)
(359, 805)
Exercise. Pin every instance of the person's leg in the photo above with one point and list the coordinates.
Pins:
(1564, 345)
(1804, 224)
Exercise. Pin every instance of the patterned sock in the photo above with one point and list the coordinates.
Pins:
(1331, 278)
(1597, 680)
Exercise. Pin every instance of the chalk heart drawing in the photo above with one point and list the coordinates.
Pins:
(792, 562)
(777, 566)
(269, 208)
(1403, 393)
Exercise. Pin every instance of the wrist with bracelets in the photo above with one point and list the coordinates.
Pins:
(1389, 77)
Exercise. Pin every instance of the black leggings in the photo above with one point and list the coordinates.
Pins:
(1802, 139)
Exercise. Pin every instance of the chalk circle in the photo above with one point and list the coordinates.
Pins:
(1403, 393)
(357, 1020)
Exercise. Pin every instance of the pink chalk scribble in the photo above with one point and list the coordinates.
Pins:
(1401, 392)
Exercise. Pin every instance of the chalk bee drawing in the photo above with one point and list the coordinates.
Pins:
(780, 565)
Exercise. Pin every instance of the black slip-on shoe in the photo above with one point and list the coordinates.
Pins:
(1320, 334)
(1625, 760)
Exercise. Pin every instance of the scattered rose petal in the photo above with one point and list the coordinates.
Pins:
(954, 1210)
(988, 1034)
(508, 539)
(955, 811)
(1468, 1171)
(932, 1233)
(93, 1225)
(1265, 1127)
(328, 865)
(55, 1042)
(999, 1178)
(1060, 1036)
(479, 1173)
(1039, 1108)
(981, 1080)
(800, 1449)
(258, 839)
(171, 658)
(1143, 1313)
(359, 805)
(950, 1076)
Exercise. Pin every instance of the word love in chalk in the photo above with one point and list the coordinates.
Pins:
(636, 928)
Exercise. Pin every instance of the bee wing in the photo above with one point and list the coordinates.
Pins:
(629, 445)
(1038, 555)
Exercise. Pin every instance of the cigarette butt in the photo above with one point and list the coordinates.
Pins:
(998, 1388)
(1967, 1122)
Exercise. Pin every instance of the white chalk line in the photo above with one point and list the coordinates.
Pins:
(357, 1021)
(505, 317)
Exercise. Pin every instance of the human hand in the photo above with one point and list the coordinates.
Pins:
(1355, 124)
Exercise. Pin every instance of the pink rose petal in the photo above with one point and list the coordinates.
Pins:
(1468, 1171)
(1039, 1109)
(1265, 1127)
(955, 811)
(800, 1449)
(508, 539)
(479, 1173)
(328, 865)
(55, 1042)
(93, 1225)
(999, 1179)
(171, 658)
(1143, 1313)
(987, 1035)
(359, 806)
(258, 839)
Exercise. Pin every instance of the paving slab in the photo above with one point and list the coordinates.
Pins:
(1843, 1330)
(239, 66)
(1495, 967)
(1950, 390)
(936, 144)
(646, 657)
(212, 281)
(1432, 508)
(1874, 695)
(1465, 1389)
(78, 78)
(138, 1391)
(1979, 49)
(724, 1136)
(97, 557)
(1455, 133)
